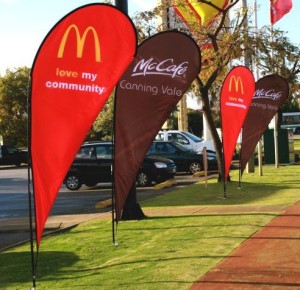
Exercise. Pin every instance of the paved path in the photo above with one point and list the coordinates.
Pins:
(270, 259)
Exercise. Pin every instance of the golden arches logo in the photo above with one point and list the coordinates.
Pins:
(237, 84)
(80, 41)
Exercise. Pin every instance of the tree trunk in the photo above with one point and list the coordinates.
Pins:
(132, 209)
(213, 131)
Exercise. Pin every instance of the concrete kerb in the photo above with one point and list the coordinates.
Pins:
(53, 222)
(15, 231)
(165, 184)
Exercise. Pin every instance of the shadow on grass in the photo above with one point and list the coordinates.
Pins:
(198, 195)
(97, 270)
(171, 219)
(15, 267)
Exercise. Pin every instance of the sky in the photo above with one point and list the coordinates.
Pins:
(25, 23)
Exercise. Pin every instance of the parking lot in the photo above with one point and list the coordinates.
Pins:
(14, 194)
(14, 202)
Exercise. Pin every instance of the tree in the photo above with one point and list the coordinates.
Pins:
(103, 126)
(274, 53)
(223, 44)
(13, 106)
(219, 43)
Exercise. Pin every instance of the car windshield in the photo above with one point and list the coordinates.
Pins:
(191, 136)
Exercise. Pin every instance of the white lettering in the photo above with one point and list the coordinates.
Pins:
(259, 105)
(165, 67)
(171, 91)
(75, 87)
(89, 76)
(229, 104)
(139, 87)
(267, 94)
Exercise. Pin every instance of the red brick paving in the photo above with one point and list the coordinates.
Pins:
(270, 259)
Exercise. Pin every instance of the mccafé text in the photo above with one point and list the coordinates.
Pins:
(165, 67)
(267, 94)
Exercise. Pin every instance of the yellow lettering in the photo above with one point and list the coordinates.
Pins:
(66, 73)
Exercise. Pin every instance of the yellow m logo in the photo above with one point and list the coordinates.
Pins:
(237, 84)
(80, 41)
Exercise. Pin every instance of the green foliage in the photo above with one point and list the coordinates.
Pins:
(292, 105)
(103, 126)
(13, 106)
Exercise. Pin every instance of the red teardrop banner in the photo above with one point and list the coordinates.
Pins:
(236, 96)
(74, 72)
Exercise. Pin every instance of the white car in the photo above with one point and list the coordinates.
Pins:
(186, 139)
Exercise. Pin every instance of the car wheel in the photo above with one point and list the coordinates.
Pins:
(143, 179)
(195, 167)
(73, 182)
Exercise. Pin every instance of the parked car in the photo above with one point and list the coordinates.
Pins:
(93, 165)
(10, 155)
(186, 160)
(186, 139)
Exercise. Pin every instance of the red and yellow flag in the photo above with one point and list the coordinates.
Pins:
(192, 11)
(279, 8)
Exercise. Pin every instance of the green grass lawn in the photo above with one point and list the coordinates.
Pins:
(277, 186)
(160, 252)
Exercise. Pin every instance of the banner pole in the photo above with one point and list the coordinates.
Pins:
(240, 163)
(33, 264)
(276, 154)
(223, 156)
(113, 189)
(224, 177)
(122, 5)
(240, 170)
(113, 219)
(33, 267)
